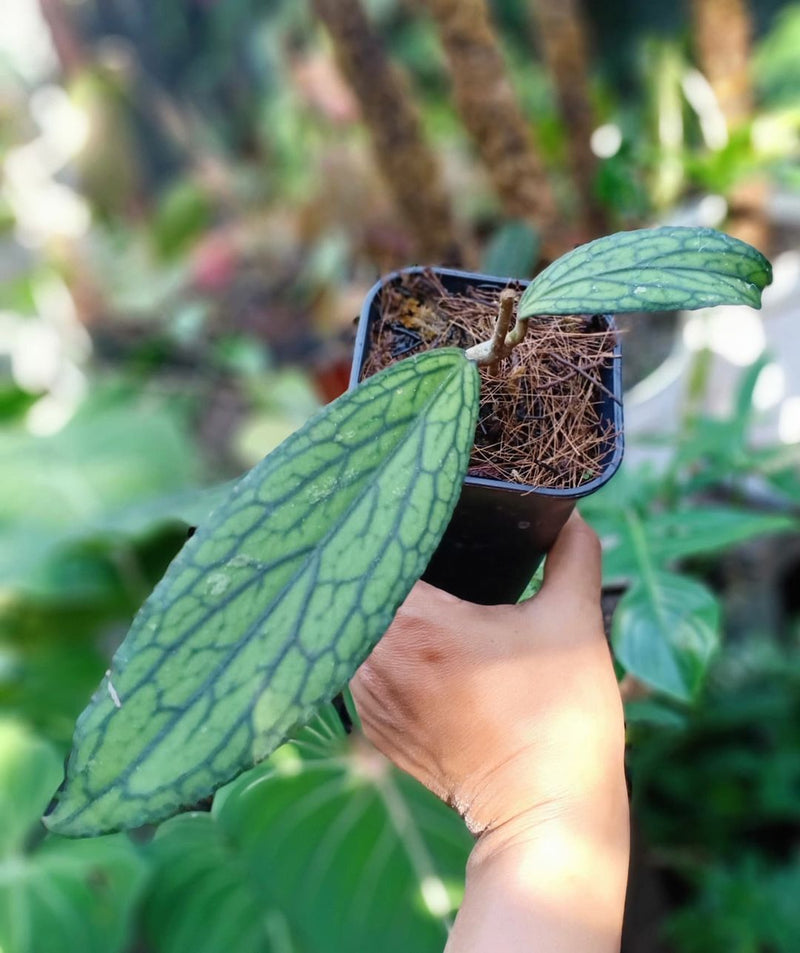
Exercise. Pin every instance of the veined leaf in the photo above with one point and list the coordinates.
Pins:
(666, 627)
(325, 825)
(71, 895)
(685, 532)
(61, 894)
(29, 767)
(650, 269)
(274, 602)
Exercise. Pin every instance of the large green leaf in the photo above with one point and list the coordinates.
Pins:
(278, 597)
(681, 533)
(63, 895)
(665, 630)
(512, 251)
(650, 269)
(111, 455)
(745, 903)
(117, 470)
(29, 767)
(71, 895)
(325, 847)
(191, 506)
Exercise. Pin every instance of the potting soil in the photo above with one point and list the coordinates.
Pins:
(540, 421)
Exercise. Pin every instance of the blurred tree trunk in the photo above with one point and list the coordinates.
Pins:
(66, 41)
(723, 31)
(564, 40)
(493, 117)
(407, 163)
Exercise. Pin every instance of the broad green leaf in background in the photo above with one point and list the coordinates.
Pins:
(747, 905)
(324, 847)
(512, 252)
(50, 663)
(190, 506)
(110, 455)
(776, 70)
(28, 769)
(655, 710)
(678, 534)
(182, 216)
(781, 468)
(694, 530)
(62, 895)
(93, 479)
(650, 269)
(71, 895)
(278, 597)
(665, 630)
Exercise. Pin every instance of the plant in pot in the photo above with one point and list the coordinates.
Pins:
(274, 602)
(549, 425)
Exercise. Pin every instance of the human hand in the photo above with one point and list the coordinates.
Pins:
(510, 713)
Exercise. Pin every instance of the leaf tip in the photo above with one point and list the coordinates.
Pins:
(57, 819)
(73, 813)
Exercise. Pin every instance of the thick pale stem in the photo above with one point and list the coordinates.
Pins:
(503, 341)
(517, 334)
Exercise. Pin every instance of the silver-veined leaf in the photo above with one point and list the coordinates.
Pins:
(274, 602)
(650, 269)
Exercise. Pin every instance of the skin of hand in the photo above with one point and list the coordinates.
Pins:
(512, 714)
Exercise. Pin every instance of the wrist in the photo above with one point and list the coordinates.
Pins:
(566, 864)
(524, 791)
(583, 831)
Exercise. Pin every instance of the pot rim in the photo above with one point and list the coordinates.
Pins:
(611, 464)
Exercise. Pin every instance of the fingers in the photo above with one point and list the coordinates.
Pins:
(573, 566)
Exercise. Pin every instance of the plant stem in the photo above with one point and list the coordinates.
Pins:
(503, 341)
(647, 570)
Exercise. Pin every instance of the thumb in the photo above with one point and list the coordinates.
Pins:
(573, 567)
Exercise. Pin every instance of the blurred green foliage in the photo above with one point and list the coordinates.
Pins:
(108, 478)
(667, 625)
(57, 892)
(325, 825)
(777, 70)
(716, 795)
(216, 249)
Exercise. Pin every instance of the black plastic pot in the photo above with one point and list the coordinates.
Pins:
(500, 531)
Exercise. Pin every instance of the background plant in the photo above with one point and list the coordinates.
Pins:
(218, 254)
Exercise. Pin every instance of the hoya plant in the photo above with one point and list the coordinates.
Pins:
(283, 591)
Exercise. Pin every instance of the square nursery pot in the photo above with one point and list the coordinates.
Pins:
(500, 531)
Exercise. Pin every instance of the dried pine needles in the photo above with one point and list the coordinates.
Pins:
(539, 422)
